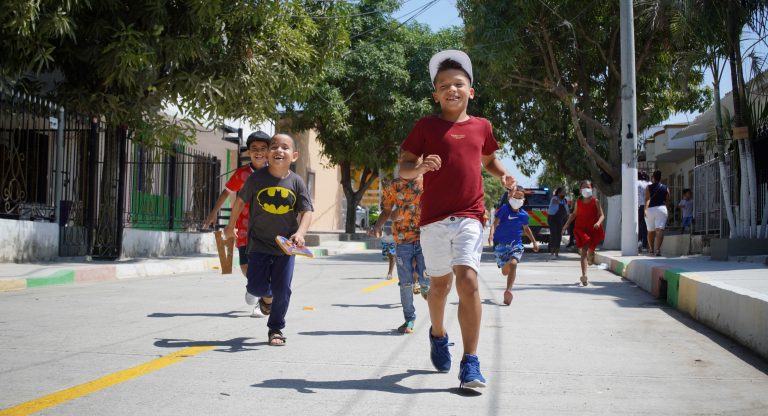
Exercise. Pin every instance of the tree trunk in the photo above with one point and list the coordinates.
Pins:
(751, 184)
(613, 223)
(367, 176)
(743, 192)
(764, 227)
(725, 203)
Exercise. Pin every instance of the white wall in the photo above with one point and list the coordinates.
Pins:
(28, 241)
(143, 243)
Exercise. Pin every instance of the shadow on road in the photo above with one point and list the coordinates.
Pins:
(344, 333)
(387, 384)
(232, 345)
(230, 314)
(372, 305)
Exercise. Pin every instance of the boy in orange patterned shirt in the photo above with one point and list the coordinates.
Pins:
(406, 195)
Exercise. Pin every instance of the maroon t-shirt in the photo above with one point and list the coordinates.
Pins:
(456, 189)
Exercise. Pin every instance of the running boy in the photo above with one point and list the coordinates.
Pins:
(509, 224)
(452, 146)
(277, 198)
(588, 229)
(258, 145)
(405, 194)
(686, 206)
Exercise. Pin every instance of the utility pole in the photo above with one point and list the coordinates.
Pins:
(629, 202)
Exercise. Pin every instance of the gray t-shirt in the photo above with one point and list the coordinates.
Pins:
(275, 207)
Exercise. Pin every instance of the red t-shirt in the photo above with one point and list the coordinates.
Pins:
(234, 184)
(456, 189)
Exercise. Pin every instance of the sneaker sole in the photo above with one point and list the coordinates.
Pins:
(474, 384)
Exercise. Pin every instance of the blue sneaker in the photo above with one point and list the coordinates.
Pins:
(441, 357)
(469, 373)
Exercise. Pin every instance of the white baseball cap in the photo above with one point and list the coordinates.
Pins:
(454, 55)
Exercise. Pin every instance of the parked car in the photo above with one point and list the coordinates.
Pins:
(361, 217)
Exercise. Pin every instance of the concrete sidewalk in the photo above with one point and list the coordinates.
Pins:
(730, 297)
(18, 276)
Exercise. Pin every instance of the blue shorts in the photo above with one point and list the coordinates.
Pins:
(687, 221)
(505, 252)
(388, 249)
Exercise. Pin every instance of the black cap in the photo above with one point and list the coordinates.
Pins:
(258, 136)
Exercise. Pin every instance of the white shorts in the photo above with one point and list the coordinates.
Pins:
(454, 241)
(656, 218)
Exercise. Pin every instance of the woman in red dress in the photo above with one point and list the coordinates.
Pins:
(588, 227)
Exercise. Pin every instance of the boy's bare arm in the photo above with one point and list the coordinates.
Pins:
(306, 220)
(237, 208)
(213, 216)
(386, 213)
(411, 167)
(496, 168)
(531, 237)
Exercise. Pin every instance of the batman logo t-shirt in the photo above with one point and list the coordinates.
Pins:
(275, 207)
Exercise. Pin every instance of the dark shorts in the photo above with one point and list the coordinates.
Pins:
(243, 255)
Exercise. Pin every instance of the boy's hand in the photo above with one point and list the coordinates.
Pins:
(375, 232)
(509, 182)
(298, 239)
(430, 163)
(229, 232)
(536, 246)
(212, 217)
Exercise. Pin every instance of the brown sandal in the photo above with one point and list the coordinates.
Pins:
(276, 338)
(266, 308)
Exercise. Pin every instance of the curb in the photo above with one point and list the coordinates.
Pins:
(68, 276)
(738, 313)
(108, 273)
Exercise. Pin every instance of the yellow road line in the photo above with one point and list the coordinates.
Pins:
(62, 396)
(379, 285)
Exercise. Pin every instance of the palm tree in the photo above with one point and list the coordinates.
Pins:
(715, 27)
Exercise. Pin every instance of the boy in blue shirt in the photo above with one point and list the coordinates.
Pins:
(509, 225)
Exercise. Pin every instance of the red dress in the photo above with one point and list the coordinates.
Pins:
(584, 228)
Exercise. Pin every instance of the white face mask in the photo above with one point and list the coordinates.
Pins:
(586, 192)
(515, 203)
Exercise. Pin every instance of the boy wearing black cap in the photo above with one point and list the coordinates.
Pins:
(452, 145)
(258, 145)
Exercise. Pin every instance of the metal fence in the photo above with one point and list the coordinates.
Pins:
(709, 217)
(27, 137)
(170, 189)
(106, 181)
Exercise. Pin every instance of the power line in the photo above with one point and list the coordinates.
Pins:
(416, 13)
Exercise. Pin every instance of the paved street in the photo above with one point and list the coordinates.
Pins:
(609, 348)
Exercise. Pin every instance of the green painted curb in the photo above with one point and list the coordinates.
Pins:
(620, 266)
(672, 276)
(62, 277)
